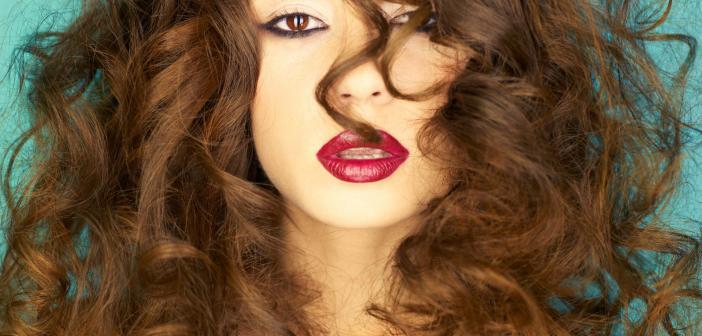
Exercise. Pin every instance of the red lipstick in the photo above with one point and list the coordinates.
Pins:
(344, 157)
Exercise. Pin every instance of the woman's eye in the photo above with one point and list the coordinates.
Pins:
(294, 25)
(424, 28)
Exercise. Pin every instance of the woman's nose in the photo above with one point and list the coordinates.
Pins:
(363, 85)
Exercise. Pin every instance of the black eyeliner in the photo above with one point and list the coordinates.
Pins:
(270, 26)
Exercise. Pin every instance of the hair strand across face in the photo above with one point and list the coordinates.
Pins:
(145, 212)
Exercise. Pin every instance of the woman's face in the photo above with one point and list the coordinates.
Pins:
(290, 127)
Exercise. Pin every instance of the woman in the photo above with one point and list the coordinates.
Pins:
(324, 167)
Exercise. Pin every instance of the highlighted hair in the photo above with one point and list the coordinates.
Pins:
(145, 211)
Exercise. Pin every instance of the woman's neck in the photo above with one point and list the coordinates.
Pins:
(349, 265)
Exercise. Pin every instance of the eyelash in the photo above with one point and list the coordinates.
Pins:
(270, 26)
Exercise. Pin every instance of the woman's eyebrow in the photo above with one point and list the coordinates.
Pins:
(391, 8)
(271, 3)
(387, 8)
(266, 6)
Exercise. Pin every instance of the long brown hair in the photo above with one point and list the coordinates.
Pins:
(145, 212)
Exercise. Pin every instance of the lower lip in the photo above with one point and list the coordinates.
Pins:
(361, 170)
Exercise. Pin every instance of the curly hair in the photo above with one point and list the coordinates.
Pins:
(146, 212)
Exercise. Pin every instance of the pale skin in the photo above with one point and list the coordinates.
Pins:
(345, 231)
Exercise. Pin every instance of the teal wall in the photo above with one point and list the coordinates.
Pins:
(19, 18)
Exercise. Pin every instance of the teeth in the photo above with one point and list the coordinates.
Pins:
(363, 153)
(362, 157)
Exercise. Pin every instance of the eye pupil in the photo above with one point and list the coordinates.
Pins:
(294, 20)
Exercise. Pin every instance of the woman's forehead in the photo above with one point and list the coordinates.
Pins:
(384, 4)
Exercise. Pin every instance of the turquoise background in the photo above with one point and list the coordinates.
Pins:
(20, 18)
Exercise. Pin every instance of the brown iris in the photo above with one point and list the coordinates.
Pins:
(292, 20)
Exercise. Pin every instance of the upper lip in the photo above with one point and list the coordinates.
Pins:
(349, 139)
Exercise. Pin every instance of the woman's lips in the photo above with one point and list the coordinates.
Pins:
(361, 170)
